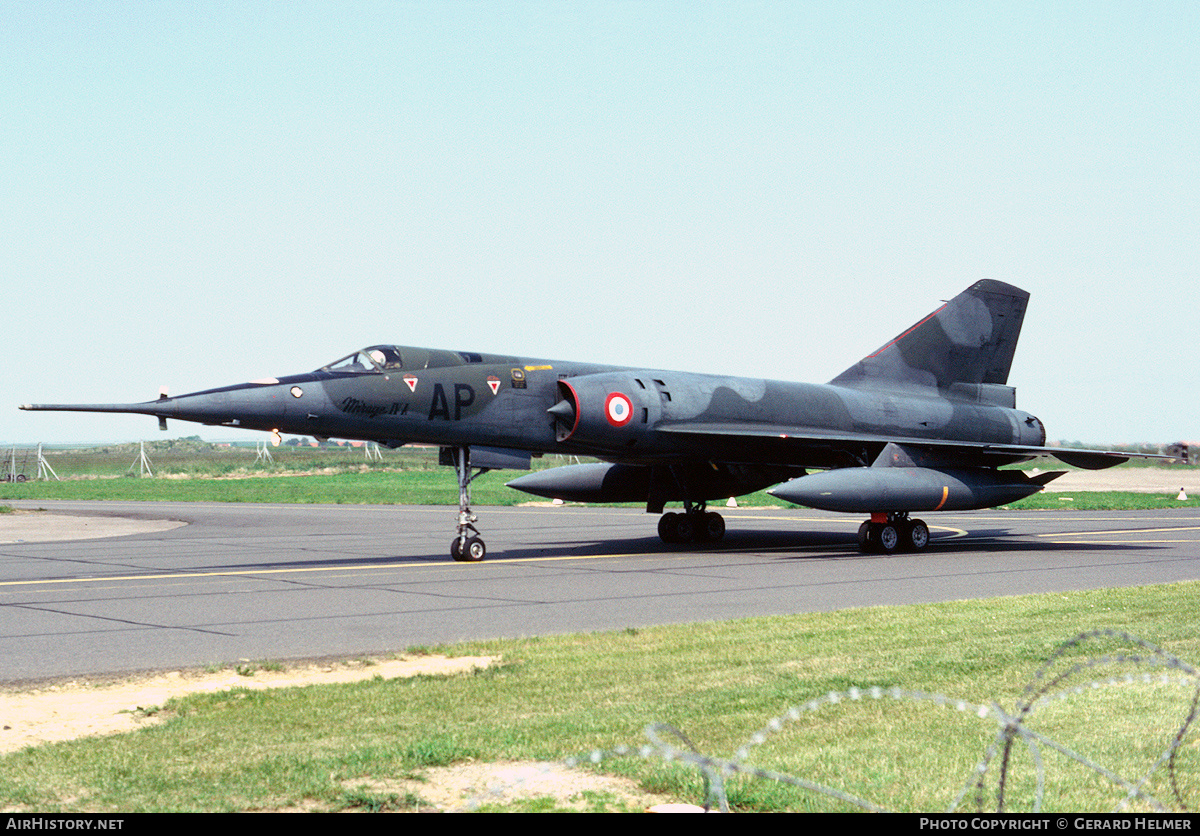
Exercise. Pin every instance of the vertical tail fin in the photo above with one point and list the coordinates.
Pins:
(970, 339)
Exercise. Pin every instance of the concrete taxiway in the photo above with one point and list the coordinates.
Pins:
(222, 582)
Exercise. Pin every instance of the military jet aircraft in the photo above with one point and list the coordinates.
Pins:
(923, 424)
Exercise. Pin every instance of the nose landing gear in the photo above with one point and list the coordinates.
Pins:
(467, 546)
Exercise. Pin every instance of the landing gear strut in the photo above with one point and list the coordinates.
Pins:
(892, 532)
(467, 544)
(695, 525)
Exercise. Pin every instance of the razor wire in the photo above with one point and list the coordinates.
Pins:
(670, 744)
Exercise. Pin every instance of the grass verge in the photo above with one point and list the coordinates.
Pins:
(190, 470)
(438, 487)
(314, 748)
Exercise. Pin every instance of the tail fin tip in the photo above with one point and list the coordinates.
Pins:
(970, 339)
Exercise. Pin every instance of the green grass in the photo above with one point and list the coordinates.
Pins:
(437, 487)
(338, 746)
(371, 487)
(188, 470)
(1102, 501)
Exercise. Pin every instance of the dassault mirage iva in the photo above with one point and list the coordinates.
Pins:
(923, 424)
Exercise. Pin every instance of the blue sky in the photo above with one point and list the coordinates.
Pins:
(198, 194)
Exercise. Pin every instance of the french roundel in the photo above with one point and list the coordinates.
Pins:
(618, 409)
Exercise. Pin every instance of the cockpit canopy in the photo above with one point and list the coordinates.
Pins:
(373, 360)
(381, 359)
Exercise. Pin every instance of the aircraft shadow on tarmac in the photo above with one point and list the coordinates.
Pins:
(814, 544)
(806, 545)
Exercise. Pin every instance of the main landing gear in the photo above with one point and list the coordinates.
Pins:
(695, 525)
(892, 532)
(467, 544)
